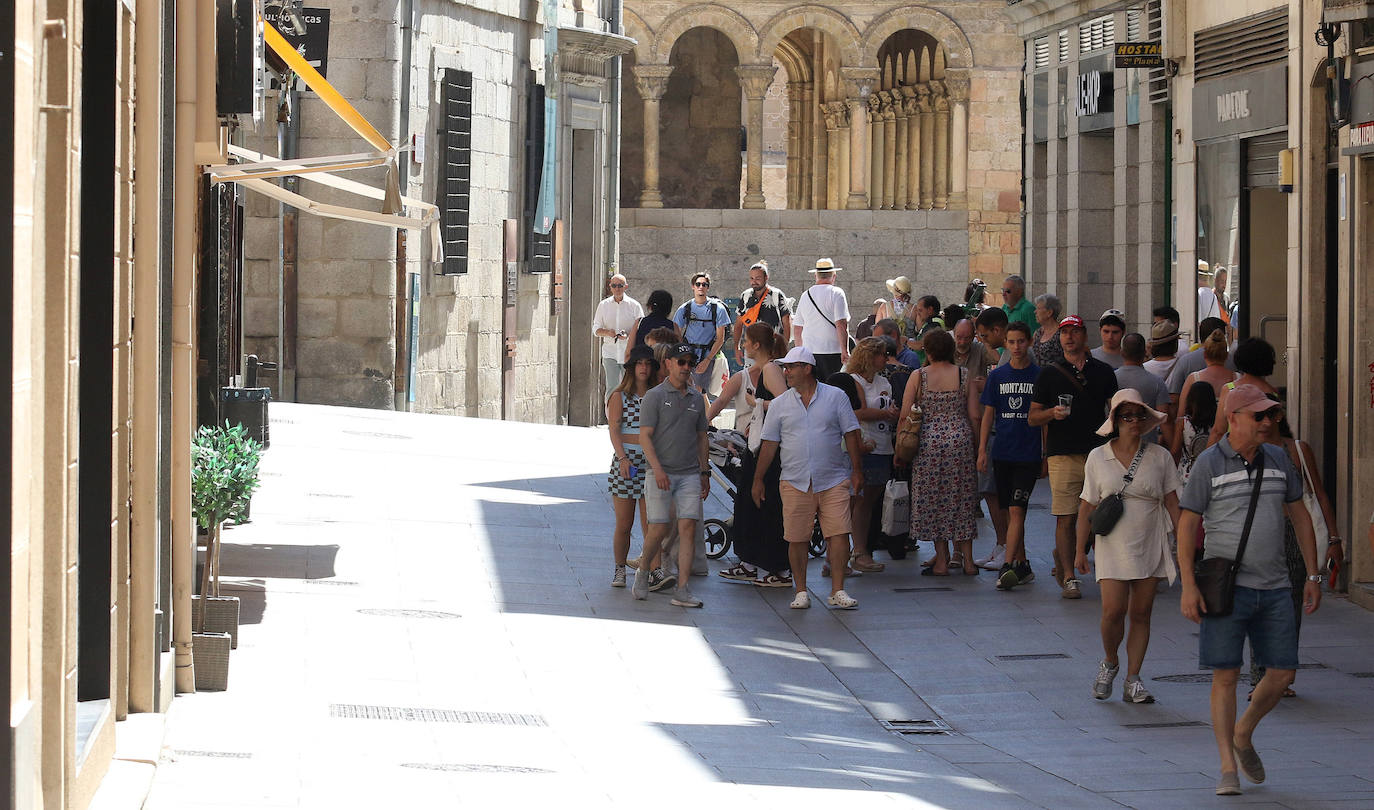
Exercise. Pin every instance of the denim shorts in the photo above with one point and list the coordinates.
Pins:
(1266, 616)
(877, 469)
(683, 492)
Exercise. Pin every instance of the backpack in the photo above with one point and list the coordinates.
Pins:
(710, 319)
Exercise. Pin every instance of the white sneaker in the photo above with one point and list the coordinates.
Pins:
(801, 601)
(843, 601)
(995, 560)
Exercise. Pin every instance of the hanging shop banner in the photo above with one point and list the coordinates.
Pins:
(547, 211)
(1241, 104)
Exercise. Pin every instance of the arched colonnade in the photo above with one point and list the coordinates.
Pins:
(877, 118)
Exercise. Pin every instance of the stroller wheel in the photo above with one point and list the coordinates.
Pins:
(817, 544)
(717, 538)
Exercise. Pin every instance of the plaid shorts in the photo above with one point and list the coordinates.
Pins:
(630, 488)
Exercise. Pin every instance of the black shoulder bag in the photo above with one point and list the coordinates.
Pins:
(1216, 577)
(1108, 511)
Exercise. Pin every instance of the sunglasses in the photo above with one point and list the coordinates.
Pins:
(682, 361)
(1273, 415)
(701, 284)
(1005, 291)
(617, 286)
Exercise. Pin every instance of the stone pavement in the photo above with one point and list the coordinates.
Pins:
(428, 623)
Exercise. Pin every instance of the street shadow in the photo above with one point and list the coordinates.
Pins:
(252, 596)
(272, 561)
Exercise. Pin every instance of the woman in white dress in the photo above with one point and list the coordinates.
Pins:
(1134, 555)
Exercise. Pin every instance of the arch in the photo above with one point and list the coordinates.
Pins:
(635, 28)
(958, 52)
(823, 18)
(709, 15)
(795, 62)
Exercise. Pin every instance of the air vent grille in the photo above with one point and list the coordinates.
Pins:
(1241, 45)
(1157, 83)
(1094, 35)
(1042, 52)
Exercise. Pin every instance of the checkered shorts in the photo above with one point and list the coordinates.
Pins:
(631, 488)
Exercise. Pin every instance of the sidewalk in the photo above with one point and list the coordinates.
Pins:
(428, 622)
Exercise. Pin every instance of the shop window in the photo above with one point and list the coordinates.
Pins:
(1218, 231)
(538, 246)
(455, 170)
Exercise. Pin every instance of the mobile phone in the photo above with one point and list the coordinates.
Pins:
(1334, 568)
(634, 471)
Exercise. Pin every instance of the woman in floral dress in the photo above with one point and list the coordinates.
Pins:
(944, 485)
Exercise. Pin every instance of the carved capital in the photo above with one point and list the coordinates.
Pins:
(957, 85)
(652, 80)
(836, 115)
(859, 82)
(754, 80)
(923, 104)
(939, 96)
(875, 104)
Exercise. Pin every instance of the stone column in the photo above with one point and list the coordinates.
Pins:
(876, 150)
(926, 108)
(794, 142)
(808, 135)
(820, 171)
(651, 81)
(958, 87)
(913, 147)
(836, 130)
(891, 100)
(858, 84)
(754, 81)
(941, 100)
(899, 107)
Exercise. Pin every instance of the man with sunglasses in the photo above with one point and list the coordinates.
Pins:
(1070, 399)
(672, 434)
(1218, 495)
(614, 318)
(761, 302)
(703, 320)
(1015, 304)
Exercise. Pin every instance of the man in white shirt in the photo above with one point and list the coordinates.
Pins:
(821, 321)
(612, 322)
(816, 428)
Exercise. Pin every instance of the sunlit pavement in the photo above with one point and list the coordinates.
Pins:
(428, 622)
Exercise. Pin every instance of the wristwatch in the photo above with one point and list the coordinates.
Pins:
(1317, 578)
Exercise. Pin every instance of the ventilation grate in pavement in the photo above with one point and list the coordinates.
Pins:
(1032, 657)
(472, 767)
(219, 754)
(1191, 677)
(372, 434)
(1362, 674)
(326, 495)
(329, 582)
(917, 726)
(1313, 666)
(361, 711)
(406, 613)
(924, 589)
(1175, 724)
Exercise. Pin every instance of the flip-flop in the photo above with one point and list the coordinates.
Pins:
(930, 572)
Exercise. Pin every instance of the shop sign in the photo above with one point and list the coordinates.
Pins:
(1139, 55)
(1361, 109)
(1093, 91)
(1362, 135)
(1241, 104)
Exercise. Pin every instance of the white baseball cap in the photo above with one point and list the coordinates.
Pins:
(799, 354)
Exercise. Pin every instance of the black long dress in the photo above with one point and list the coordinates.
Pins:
(758, 536)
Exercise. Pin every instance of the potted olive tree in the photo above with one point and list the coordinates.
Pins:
(224, 474)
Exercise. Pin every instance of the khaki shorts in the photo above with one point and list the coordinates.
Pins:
(799, 510)
(1066, 483)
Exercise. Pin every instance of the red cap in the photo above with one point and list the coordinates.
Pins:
(1072, 321)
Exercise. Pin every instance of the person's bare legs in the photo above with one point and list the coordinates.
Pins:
(1065, 546)
(1265, 697)
(798, 555)
(860, 519)
(1140, 610)
(686, 542)
(1115, 598)
(1224, 715)
(837, 552)
(1016, 534)
(999, 518)
(940, 567)
(624, 521)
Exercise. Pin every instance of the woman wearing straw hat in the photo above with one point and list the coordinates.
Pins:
(1134, 555)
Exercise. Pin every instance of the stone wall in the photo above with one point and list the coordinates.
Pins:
(662, 248)
(700, 124)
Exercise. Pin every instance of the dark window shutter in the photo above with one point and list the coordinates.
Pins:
(538, 246)
(455, 168)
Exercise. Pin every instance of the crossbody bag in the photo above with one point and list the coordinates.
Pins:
(1109, 510)
(1216, 577)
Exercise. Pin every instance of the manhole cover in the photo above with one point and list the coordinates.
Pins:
(1175, 724)
(1191, 677)
(472, 767)
(1032, 657)
(917, 726)
(926, 588)
(219, 754)
(403, 613)
(359, 711)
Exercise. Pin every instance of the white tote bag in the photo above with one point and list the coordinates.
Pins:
(1314, 506)
(896, 508)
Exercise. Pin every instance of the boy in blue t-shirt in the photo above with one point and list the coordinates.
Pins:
(1014, 450)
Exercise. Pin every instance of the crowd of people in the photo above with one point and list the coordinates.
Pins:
(1158, 453)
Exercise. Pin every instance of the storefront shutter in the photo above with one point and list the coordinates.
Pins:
(1262, 160)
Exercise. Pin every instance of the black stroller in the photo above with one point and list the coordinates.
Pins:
(726, 448)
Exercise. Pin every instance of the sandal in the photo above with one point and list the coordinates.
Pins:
(739, 572)
(870, 567)
(848, 571)
(773, 581)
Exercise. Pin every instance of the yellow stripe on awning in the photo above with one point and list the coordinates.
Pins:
(323, 88)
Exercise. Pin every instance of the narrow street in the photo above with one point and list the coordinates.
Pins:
(428, 622)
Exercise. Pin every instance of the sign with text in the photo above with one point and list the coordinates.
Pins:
(1093, 93)
(313, 45)
(1240, 104)
(1144, 55)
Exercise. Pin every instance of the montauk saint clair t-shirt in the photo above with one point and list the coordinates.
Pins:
(1008, 390)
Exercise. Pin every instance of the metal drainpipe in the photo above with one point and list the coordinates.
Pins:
(613, 138)
(1169, 235)
(288, 291)
(403, 360)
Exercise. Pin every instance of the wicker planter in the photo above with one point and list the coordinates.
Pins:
(210, 655)
(222, 617)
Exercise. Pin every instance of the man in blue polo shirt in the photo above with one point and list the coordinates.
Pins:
(1219, 494)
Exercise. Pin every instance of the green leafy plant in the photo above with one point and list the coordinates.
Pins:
(224, 475)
